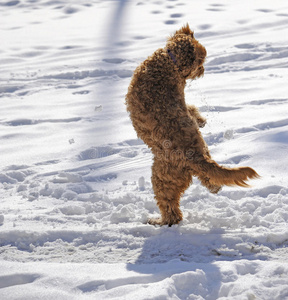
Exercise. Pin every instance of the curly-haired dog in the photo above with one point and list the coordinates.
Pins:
(170, 127)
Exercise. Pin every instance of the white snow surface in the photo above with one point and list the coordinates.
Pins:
(75, 180)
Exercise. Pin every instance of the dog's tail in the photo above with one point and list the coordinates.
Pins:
(219, 175)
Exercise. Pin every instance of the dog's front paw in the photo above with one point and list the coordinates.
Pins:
(201, 122)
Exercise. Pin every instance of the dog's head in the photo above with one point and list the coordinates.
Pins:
(188, 54)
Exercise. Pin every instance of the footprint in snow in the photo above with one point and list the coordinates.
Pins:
(217, 5)
(170, 22)
(70, 10)
(264, 10)
(204, 26)
(140, 37)
(176, 15)
(97, 152)
(113, 60)
(215, 9)
(156, 12)
(11, 3)
(84, 92)
(17, 279)
(282, 15)
(266, 101)
(246, 46)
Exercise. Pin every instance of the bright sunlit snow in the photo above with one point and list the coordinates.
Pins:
(75, 180)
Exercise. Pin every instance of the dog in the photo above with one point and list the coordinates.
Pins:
(170, 127)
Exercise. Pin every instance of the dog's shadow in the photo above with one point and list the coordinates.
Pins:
(187, 260)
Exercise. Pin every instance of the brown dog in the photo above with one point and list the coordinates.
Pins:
(161, 118)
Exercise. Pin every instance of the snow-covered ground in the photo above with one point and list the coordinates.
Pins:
(75, 180)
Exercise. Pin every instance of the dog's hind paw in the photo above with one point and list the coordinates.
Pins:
(214, 189)
(155, 221)
(161, 222)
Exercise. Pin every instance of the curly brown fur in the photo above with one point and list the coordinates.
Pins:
(161, 118)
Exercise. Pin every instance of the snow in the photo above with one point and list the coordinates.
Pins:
(75, 180)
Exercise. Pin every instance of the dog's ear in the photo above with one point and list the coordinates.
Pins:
(185, 30)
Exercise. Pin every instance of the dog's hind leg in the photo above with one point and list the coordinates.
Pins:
(169, 183)
(211, 187)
